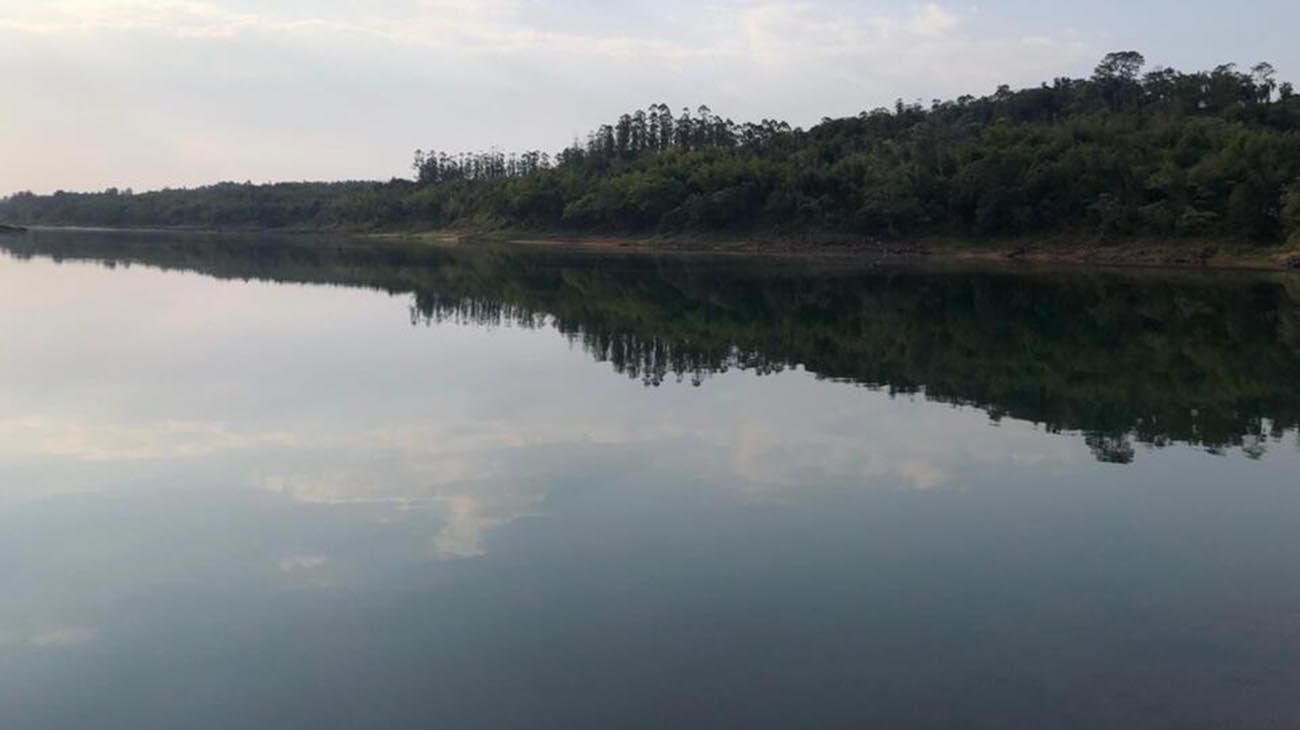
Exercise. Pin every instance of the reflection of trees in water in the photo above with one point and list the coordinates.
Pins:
(433, 308)
(1127, 360)
(648, 358)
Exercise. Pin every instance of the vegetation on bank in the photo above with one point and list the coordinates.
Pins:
(1127, 153)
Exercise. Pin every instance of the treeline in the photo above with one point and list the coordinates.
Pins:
(1125, 153)
(227, 205)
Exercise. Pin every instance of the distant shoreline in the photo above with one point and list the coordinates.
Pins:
(1041, 251)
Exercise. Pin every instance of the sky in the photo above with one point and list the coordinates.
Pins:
(169, 93)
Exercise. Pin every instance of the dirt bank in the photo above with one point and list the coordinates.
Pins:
(1060, 251)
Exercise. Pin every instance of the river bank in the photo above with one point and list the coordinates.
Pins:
(1061, 250)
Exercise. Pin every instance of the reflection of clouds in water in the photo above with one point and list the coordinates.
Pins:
(55, 638)
(308, 571)
(869, 439)
(335, 489)
(923, 475)
(469, 509)
(774, 437)
(64, 637)
(301, 563)
(464, 477)
(479, 477)
(83, 439)
(470, 518)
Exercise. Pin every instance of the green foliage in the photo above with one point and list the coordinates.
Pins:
(226, 205)
(1120, 155)
(1291, 212)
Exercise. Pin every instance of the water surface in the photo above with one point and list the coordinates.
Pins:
(318, 484)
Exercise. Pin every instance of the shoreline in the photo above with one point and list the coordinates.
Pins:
(1040, 252)
(1055, 250)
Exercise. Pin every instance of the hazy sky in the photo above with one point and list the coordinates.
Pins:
(149, 93)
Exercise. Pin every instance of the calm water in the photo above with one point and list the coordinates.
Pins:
(257, 484)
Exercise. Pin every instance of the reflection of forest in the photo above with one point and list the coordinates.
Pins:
(1146, 357)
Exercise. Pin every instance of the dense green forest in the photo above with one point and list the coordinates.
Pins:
(1126, 153)
(1122, 358)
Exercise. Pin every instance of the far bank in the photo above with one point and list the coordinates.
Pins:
(1043, 251)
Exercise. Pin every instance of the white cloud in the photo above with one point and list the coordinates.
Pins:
(463, 26)
(785, 31)
(147, 93)
(929, 50)
(933, 20)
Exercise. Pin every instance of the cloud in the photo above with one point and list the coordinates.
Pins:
(890, 53)
(490, 26)
(149, 93)
(933, 21)
(783, 31)
(184, 19)
(765, 31)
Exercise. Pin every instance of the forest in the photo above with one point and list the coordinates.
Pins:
(1127, 153)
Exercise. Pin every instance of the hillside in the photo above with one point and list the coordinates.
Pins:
(1125, 154)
